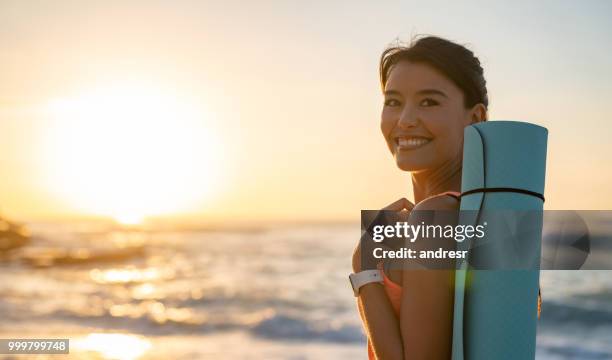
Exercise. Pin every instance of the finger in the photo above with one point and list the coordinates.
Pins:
(404, 215)
(401, 204)
(408, 205)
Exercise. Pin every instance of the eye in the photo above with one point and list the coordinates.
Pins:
(392, 102)
(427, 102)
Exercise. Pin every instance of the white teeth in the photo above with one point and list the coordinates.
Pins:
(411, 142)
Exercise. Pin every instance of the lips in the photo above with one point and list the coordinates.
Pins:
(411, 142)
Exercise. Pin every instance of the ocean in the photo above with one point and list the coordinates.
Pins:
(264, 292)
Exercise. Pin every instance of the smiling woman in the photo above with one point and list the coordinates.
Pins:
(129, 152)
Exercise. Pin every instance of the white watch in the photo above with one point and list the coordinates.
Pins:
(364, 277)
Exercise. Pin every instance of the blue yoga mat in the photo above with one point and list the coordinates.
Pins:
(495, 313)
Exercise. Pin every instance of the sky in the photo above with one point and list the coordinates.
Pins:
(270, 110)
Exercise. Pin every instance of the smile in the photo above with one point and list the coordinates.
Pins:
(411, 143)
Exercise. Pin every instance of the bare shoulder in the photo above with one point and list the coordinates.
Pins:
(438, 202)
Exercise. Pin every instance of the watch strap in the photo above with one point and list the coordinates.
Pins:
(364, 277)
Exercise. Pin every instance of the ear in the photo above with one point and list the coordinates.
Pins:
(478, 113)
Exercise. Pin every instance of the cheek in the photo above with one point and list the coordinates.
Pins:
(438, 125)
(448, 133)
(387, 123)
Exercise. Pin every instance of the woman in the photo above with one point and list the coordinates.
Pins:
(433, 89)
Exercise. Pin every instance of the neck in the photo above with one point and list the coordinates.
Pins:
(446, 177)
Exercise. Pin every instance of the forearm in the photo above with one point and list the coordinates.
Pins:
(380, 322)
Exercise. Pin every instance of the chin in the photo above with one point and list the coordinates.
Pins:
(412, 164)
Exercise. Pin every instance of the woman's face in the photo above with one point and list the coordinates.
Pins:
(423, 117)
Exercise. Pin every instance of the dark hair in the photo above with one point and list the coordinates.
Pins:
(453, 60)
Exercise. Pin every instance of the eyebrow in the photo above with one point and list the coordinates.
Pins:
(431, 92)
(420, 92)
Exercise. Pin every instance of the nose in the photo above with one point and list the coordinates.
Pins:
(408, 119)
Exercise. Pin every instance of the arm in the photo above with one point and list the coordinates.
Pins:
(426, 320)
(380, 322)
(427, 314)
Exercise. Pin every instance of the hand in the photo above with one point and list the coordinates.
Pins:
(402, 205)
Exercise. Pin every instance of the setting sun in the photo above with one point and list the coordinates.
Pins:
(130, 152)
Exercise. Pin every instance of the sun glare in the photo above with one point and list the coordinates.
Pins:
(130, 152)
(114, 346)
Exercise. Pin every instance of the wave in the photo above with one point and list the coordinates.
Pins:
(558, 319)
(572, 315)
(560, 352)
(272, 325)
(569, 347)
(284, 327)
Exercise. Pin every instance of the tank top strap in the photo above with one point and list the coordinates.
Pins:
(455, 194)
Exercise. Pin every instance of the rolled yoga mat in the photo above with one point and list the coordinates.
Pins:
(495, 313)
